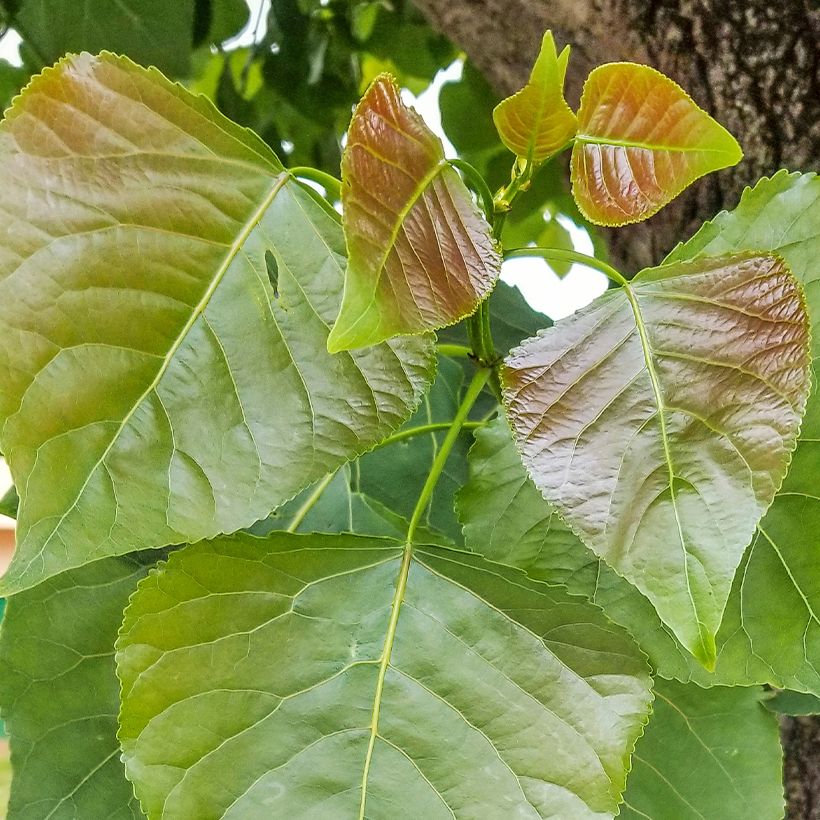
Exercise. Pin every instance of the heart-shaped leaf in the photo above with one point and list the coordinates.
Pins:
(536, 121)
(768, 634)
(706, 753)
(156, 389)
(660, 421)
(60, 695)
(772, 622)
(343, 676)
(641, 140)
(421, 255)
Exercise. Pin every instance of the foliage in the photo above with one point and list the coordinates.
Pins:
(238, 424)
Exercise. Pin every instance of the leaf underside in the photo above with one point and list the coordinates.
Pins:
(156, 389)
(250, 669)
(420, 255)
(638, 411)
(641, 140)
(536, 121)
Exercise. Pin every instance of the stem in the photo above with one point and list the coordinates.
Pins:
(310, 502)
(562, 255)
(478, 183)
(454, 351)
(502, 201)
(473, 391)
(332, 185)
(428, 428)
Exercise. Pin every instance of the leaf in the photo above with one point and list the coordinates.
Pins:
(660, 420)
(60, 695)
(511, 320)
(706, 753)
(9, 502)
(641, 140)
(536, 121)
(420, 253)
(152, 32)
(793, 703)
(155, 390)
(466, 106)
(506, 519)
(251, 670)
(341, 508)
(394, 475)
(772, 621)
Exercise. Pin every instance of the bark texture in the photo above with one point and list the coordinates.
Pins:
(753, 64)
(801, 767)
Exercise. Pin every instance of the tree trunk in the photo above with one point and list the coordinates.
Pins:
(753, 64)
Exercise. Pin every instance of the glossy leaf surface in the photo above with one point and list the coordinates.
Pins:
(60, 695)
(706, 753)
(156, 389)
(250, 669)
(536, 121)
(773, 617)
(420, 253)
(636, 414)
(641, 140)
(507, 520)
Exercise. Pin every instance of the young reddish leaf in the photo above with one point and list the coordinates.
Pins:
(660, 422)
(536, 121)
(641, 140)
(420, 254)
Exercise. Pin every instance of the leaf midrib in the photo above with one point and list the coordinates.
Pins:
(401, 216)
(384, 663)
(648, 354)
(277, 183)
(591, 139)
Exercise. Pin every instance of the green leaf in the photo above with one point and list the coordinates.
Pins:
(706, 753)
(536, 121)
(60, 695)
(627, 417)
(511, 320)
(507, 520)
(153, 32)
(772, 621)
(155, 389)
(268, 678)
(394, 475)
(342, 508)
(466, 108)
(793, 703)
(421, 255)
(10, 502)
(641, 140)
(227, 19)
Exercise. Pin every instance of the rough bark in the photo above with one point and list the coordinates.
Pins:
(753, 64)
(801, 767)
